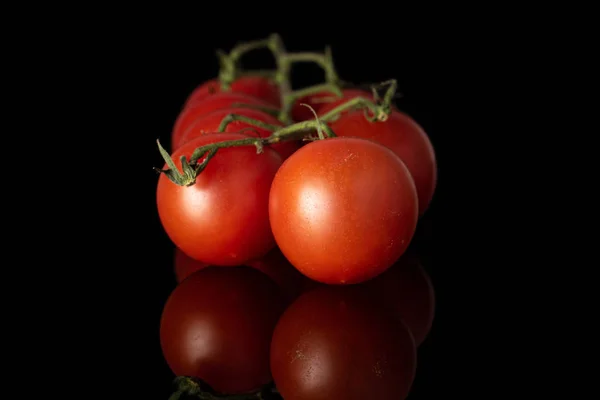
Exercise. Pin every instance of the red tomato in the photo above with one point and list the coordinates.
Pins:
(343, 210)
(278, 268)
(209, 123)
(202, 107)
(217, 326)
(319, 100)
(407, 289)
(336, 343)
(222, 219)
(404, 137)
(255, 86)
(185, 265)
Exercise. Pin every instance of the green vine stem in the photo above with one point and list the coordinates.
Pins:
(193, 387)
(228, 63)
(192, 168)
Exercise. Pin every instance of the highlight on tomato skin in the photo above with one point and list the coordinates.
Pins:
(407, 290)
(343, 210)
(217, 326)
(209, 123)
(259, 87)
(222, 100)
(222, 219)
(337, 342)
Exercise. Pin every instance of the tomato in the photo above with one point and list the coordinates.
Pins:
(202, 107)
(256, 86)
(404, 137)
(278, 268)
(209, 123)
(337, 343)
(223, 218)
(184, 265)
(406, 288)
(217, 325)
(319, 100)
(343, 210)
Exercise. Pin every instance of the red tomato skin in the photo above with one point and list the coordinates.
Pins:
(343, 210)
(255, 86)
(407, 289)
(209, 123)
(337, 343)
(202, 107)
(319, 100)
(185, 265)
(278, 268)
(404, 137)
(223, 218)
(217, 325)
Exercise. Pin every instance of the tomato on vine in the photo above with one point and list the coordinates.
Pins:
(217, 325)
(343, 210)
(255, 86)
(403, 136)
(338, 343)
(222, 218)
(209, 123)
(222, 100)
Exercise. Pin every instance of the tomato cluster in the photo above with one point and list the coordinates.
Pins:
(292, 213)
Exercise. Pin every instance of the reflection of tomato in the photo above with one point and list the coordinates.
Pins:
(319, 100)
(217, 326)
(337, 343)
(185, 265)
(275, 265)
(202, 107)
(256, 86)
(407, 289)
(343, 210)
(210, 122)
(404, 137)
(223, 218)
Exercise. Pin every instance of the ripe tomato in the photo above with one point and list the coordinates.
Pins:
(202, 107)
(278, 268)
(185, 265)
(319, 100)
(404, 137)
(337, 343)
(343, 210)
(223, 219)
(256, 86)
(209, 123)
(217, 326)
(407, 290)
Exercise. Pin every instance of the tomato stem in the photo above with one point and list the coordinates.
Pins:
(229, 68)
(229, 118)
(197, 388)
(192, 168)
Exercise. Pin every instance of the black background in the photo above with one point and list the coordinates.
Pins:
(135, 88)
